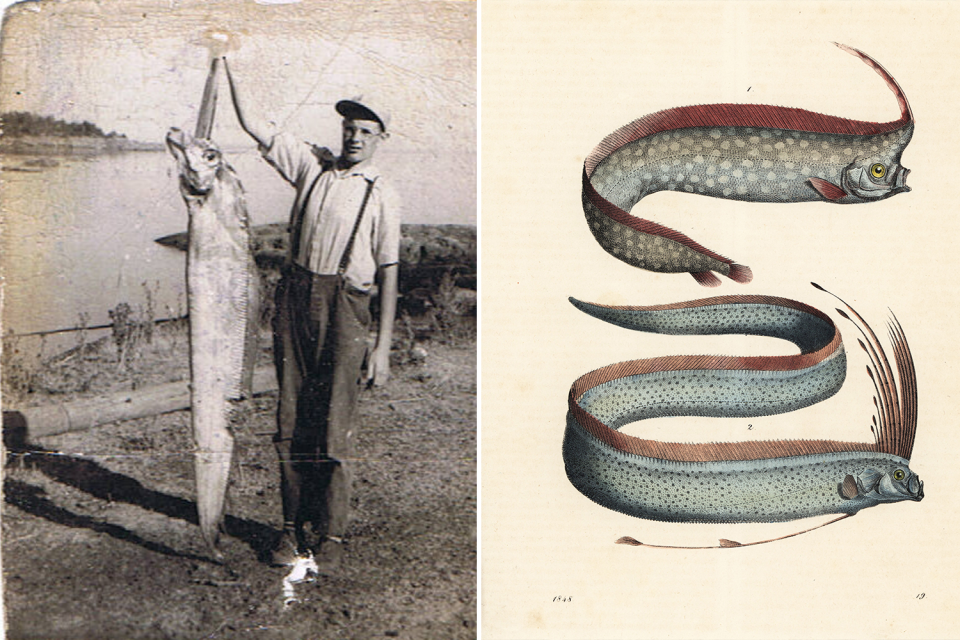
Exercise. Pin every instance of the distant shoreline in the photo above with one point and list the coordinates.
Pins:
(72, 145)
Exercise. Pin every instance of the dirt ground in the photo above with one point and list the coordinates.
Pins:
(100, 536)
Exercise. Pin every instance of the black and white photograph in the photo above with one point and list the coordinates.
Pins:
(239, 319)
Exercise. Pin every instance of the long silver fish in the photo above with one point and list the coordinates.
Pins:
(738, 481)
(223, 301)
(751, 152)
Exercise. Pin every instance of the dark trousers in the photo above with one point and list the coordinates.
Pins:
(320, 343)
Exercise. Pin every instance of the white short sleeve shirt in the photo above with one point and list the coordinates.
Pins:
(332, 206)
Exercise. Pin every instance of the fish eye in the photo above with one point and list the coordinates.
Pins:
(878, 170)
(898, 474)
(210, 155)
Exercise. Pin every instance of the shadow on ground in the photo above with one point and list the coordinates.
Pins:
(100, 482)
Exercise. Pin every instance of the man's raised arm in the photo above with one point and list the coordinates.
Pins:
(258, 129)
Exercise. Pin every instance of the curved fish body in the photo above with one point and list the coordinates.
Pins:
(755, 153)
(735, 481)
(223, 301)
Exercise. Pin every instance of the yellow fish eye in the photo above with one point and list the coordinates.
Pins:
(878, 170)
(898, 474)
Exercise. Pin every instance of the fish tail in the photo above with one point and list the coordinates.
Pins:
(740, 273)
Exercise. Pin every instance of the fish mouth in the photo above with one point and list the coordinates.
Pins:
(901, 180)
(915, 487)
(191, 186)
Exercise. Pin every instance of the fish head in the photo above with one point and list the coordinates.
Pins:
(878, 174)
(199, 161)
(892, 482)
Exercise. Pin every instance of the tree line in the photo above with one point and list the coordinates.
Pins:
(24, 123)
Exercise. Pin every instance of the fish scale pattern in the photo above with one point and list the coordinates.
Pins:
(713, 392)
(772, 490)
(646, 250)
(737, 163)
(765, 489)
(807, 331)
(747, 152)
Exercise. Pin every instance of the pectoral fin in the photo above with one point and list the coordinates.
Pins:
(828, 190)
(849, 488)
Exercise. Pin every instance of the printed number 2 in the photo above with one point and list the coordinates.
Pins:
(563, 599)
(920, 596)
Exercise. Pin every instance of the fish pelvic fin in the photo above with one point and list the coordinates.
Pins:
(738, 273)
(706, 279)
(727, 544)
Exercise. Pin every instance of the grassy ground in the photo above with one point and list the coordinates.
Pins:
(99, 526)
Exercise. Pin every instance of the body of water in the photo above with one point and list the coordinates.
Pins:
(78, 238)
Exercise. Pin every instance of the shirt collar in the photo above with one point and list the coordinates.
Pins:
(366, 169)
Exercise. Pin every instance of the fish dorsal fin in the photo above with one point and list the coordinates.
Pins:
(849, 488)
(753, 115)
(828, 190)
(906, 114)
(896, 419)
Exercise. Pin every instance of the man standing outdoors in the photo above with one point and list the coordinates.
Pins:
(344, 236)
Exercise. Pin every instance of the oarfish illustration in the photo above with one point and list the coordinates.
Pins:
(223, 301)
(769, 481)
(751, 152)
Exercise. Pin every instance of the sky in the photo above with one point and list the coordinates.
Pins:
(138, 67)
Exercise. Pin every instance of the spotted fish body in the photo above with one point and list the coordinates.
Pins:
(223, 300)
(754, 153)
(740, 481)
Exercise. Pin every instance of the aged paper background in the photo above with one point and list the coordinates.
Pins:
(555, 78)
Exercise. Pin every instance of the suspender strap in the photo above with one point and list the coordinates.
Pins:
(297, 224)
(345, 259)
(297, 221)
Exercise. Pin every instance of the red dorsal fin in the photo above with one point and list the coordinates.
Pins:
(906, 114)
(828, 190)
(752, 115)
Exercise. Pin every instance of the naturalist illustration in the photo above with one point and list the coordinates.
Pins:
(749, 152)
(223, 298)
(733, 482)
